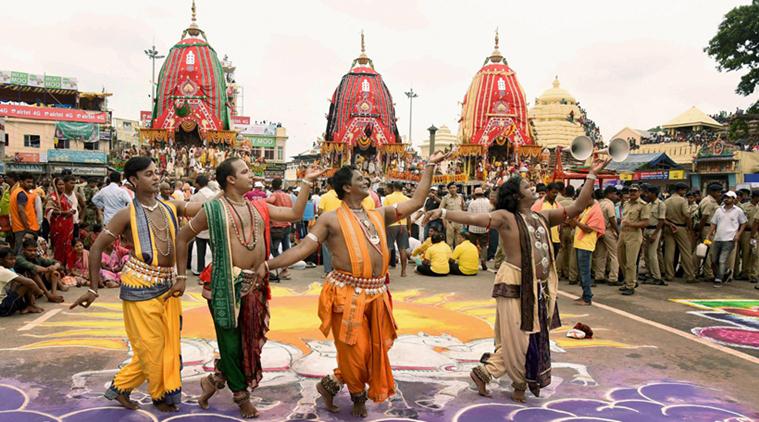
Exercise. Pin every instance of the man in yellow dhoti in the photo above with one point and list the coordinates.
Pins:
(525, 286)
(355, 304)
(150, 289)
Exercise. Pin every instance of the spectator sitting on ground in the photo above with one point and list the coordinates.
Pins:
(436, 258)
(45, 272)
(466, 257)
(421, 249)
(17, 293)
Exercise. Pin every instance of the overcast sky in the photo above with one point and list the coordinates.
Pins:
(630, 63)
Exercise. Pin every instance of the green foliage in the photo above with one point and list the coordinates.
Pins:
(736, 46)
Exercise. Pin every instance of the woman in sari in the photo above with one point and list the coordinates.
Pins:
(61, 217)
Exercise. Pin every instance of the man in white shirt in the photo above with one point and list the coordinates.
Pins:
(111, 198)
(728, 222)
(479, 235)
(203, 194)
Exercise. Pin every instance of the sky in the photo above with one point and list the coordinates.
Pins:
(629, 63)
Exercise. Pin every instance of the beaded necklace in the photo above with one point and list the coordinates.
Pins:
(250, 242)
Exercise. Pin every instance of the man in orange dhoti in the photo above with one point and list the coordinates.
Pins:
(354, 303)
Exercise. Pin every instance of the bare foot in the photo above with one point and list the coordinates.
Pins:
(403, 273)
(359, 409)
(27, 310)
(327, 397)
(247, 410)
(55, 298)
(63, 288)
(129, 404)
(482, 388)
(209, 389)
(518, 396)
(36, 309)
(165, 407)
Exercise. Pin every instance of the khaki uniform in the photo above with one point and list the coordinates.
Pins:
(567, 259)
(678, 212)
(606, 248)
(706, 208)
(452, 230)
(630, 240)
(742, 250)
(657, 212)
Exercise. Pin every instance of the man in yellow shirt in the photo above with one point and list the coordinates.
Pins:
(397, 233)
(328, 202)
(465, 259)
(590, 223)
(436, 258)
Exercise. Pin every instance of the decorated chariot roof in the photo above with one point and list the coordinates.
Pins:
(494, 108)
(191, 89)
(361, 111)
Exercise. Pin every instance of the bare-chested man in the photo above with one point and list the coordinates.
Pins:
(525, 292)
(150, 289)
(354, 303)
(240, 239)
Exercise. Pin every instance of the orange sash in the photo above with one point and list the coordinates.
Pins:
(355, 240)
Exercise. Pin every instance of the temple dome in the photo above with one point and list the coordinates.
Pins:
(555, 117)
(361, 111)
(494, 108)
(191, 94)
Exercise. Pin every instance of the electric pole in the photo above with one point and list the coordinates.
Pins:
(411, 95)
(153, 55)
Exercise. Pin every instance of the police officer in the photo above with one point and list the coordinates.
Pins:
(635, 217)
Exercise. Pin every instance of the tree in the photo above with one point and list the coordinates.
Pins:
(736, 46)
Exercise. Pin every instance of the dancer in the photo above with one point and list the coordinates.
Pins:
(150, 289)
(240, 239)
(525, 293)
(354, 303)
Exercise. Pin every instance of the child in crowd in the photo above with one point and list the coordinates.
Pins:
(17, 293)
(78, 266)
(436, 258)
(113, 258)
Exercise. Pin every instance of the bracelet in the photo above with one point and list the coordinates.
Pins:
(110, 233)
(182, 276)
(266, 265)
(592, 176)
(93, 292)
(443, 213)
(189, 223)
(307, 183)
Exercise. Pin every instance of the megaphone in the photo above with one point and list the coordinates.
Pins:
(582, 148)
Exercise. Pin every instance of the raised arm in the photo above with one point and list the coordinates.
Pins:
(110, 233)
(296, 212)
(493, 219)
(306, 247)
(557, 216)
(405, 208)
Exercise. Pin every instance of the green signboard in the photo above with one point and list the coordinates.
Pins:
(263, 141)
(53, 81)
(41, 81)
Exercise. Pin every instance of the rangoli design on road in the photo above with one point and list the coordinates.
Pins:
(742, 315)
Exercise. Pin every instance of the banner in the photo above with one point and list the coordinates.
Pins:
(80, 171)
(261, 141)
(653, 175)
(241, 120)
(52, 113)
(146, 117)
(86, 132)
(70, 156)
(676, 174)
(26, 157)
(40, 81)
(2, 139)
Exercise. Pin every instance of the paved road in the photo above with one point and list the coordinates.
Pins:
(55, 366)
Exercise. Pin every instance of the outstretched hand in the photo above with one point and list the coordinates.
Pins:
(439, 156)
(431, 216)
(599, 165)
(313, 172)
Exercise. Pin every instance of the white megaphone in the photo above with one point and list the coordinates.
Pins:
(582, 148)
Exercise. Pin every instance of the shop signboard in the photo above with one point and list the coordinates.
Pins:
(2, 138)
(26, 157)
(53, 113)
(26, 167)
(146, 117)
(80, 170)
(241, 120)
(653, 175)
(2, 167)
(677, 175)
(625, 176)
(69, 156)
(263, 141)
(275, 170)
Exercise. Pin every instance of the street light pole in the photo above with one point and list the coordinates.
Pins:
(432, 130)
(411, 95)
(153, 55)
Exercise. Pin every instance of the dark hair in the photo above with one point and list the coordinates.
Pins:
(135, 164)
(755, 193)
(331, 181)
(509, 194)
(653, 189)
(5, 251)
(224, 170)
(609, 190)
(68, 178)
(201, 180)
(437, 237)
(97, 228)
(556, 186)
(598, 194)
(25, 176)
(541, 187)
(398, 185)
(342, 177)
(448, 186)
(276, 184)
(715, 187)
(114, 177)
(569, 191)
(29, 243)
